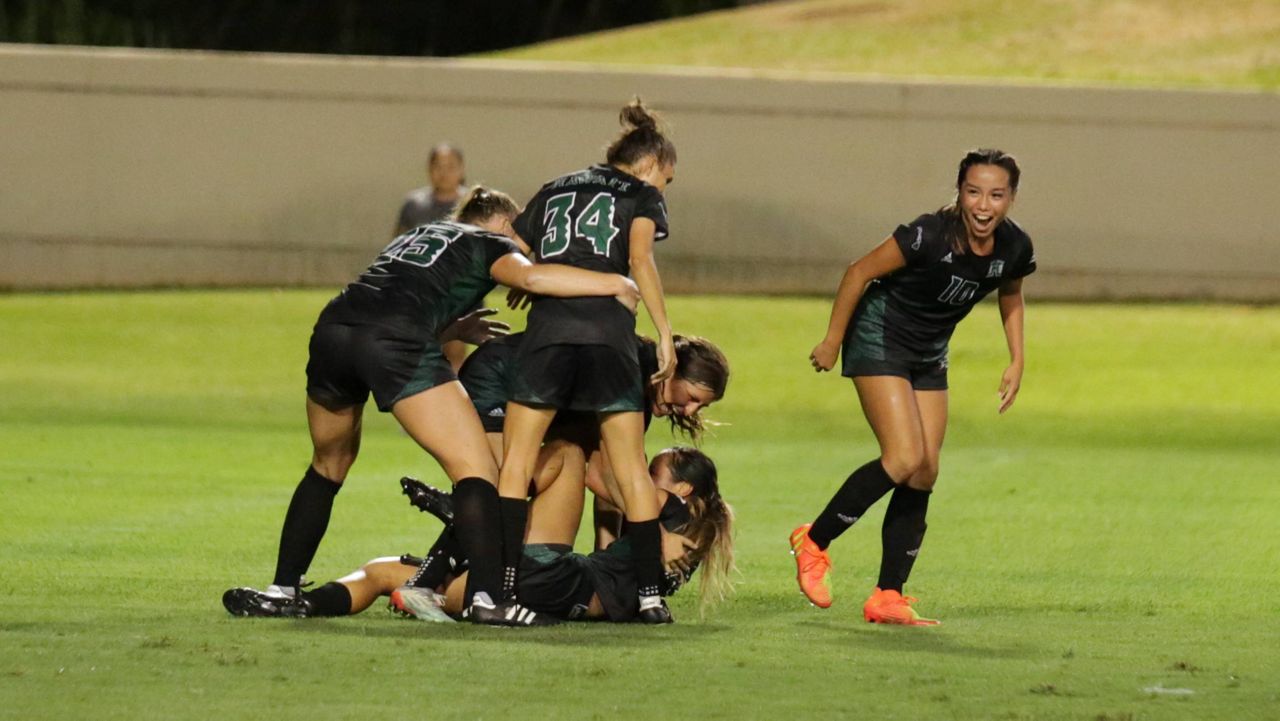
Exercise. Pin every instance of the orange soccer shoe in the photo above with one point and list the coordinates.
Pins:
(892, 607)
(812, 567)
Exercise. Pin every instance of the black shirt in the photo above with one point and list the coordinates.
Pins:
(584, 219)
(923, 302)
(423, 280)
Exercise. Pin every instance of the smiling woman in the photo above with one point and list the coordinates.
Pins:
(894, 314)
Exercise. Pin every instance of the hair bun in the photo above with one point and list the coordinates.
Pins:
(636, 115)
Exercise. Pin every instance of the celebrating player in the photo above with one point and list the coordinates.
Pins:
(381, 335)
(894, 313)
(579, 354)
(554, 581)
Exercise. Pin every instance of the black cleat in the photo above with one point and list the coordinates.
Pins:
(252, 602)
(507, 613)
(429, 499)
(654, 611)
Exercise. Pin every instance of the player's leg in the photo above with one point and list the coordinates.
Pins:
(443, 421)
(623, 437)
(335, 440)
(522, 436)
(556, 510)
(358, 590)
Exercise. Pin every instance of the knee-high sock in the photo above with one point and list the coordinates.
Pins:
(902, 534)
(304, 525)
(646, 550)
(863, 488)
(442, 559)
(331, 599)
(477, 521)
(515, 515)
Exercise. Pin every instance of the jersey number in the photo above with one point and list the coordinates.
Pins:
(959, 291)
(593, 224)
(420, 246)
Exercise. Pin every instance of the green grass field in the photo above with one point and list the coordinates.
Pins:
(1107, 550)
(1163, 43)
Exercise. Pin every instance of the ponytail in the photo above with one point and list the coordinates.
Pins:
(481, 203)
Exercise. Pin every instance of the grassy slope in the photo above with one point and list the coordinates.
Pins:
(1229, 43)
(1114, 533)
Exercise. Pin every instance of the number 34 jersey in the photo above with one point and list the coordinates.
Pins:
(919, 305)
(584, 219)
(422, 280)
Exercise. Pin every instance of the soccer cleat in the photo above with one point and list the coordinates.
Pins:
(428, 499)
(252, 602)
(813, 565)
(890, 606)
(420, 603)
(653, 610)
(508, 613)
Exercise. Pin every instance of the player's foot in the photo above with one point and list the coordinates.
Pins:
(429, 499)
(813, 565)
(283, 592)
(420, 603)
(654, 610)
(252, 602)
(508, 613)
(890, 606)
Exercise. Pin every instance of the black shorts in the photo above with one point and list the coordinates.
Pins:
(486, 385)
(347, 362)
(554, 581)
(867, 353)
(578, 377)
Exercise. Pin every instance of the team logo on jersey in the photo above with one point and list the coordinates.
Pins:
(946, 258)
(919, 239)
(996, 269)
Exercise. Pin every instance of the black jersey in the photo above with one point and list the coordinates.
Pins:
(584, 219)
(918, 306)
(422, 280)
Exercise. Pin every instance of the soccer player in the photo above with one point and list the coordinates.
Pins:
(555, 583)
(381, 336)
(579, 354)
(894, 314)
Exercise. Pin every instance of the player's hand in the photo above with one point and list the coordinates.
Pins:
(475, 328)
(666, 360)
(824, 356)
(628, 294)
(675, 552)
(1010, 382)
(518, 299)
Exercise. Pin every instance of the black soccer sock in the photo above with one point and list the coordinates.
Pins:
(331, 599)
(477, 521)
(902, 534)
(860, 491)
(515, 515)
(304, 525)
(440, 560)
(646, 550)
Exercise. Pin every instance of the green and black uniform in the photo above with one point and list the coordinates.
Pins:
(579, 353)
(381, 333)
(904, 321)
(488, 371)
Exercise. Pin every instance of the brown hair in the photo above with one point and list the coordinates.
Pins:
(953, 229)
(710, 524)
(643, 134)
(698, 361)
(481, 203)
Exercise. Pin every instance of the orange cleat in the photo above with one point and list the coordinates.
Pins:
(812, 567)
(892, 607)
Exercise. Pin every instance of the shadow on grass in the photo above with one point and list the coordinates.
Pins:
(590, 634)
(903, 639)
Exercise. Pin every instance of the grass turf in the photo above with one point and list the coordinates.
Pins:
(1179, 43)
(1100, 552)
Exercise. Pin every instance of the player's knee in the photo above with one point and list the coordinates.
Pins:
(903, 464)
(333, 466)
(567, 451)
(925, 476)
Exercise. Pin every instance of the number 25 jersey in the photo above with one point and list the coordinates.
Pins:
(583, 219)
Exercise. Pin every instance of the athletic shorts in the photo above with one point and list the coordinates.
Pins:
(596, 378)
(348, 362)
(554, 581)
(867, 353)
(486, 385)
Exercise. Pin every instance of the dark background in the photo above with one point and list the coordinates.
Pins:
(355, 27)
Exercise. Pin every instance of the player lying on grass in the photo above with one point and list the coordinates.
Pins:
(554, 582)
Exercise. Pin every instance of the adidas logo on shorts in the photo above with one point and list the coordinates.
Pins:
(498, 413)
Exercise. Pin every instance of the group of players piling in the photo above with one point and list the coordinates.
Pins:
(563, 407)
